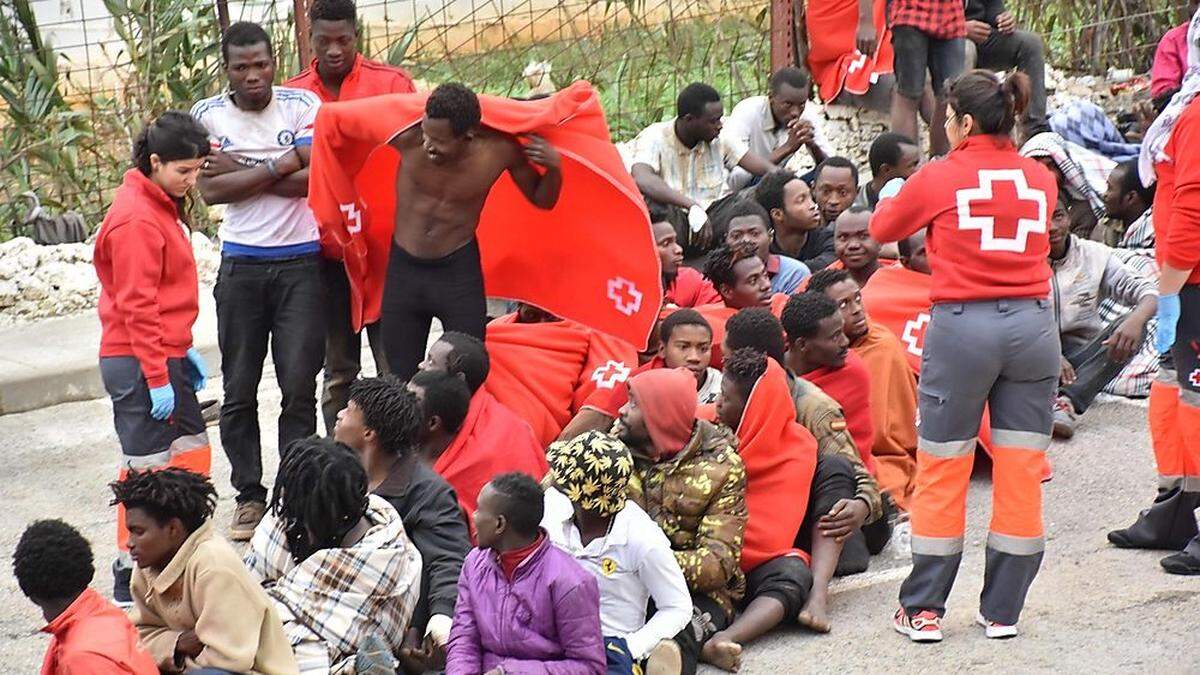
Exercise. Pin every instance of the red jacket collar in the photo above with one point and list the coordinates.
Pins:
(986, 142)
(136, 180)
(327, 95)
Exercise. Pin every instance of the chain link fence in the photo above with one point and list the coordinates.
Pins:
(79, 77)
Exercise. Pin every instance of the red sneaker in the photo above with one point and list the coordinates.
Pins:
(924, 626)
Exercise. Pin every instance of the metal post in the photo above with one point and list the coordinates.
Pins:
(223, 14)
(783, 37)
(300, 12)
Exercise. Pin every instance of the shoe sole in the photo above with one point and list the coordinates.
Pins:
(995, 632)
(917, 635)
(1062, 432)
(665, 659)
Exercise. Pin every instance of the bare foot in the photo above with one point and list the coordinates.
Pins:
(722, 653)
(814, 616)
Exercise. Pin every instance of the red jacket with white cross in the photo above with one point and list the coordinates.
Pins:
(988, 213)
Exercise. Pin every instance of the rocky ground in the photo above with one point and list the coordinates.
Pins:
(1093, 608)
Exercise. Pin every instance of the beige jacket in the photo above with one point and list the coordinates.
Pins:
(206, 588)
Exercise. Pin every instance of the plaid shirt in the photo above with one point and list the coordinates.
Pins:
(939, 19)
(338, 596)
(700, 172)
(1137, 251)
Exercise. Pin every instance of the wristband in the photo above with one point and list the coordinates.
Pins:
(270, 164)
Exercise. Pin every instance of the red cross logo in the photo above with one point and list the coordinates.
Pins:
(625, 295)
(1194, 378)
(1015, 207)
(914, 334)
(353, 217)
(608, 375)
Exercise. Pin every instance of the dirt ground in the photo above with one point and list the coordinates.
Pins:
(1092, 607)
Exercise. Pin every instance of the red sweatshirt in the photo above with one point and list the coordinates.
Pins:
(93, 637)
(850, 386)
(988, 211)
(366, 78)
(148, 286)
(1177, 201)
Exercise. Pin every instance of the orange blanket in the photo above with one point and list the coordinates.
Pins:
(893, 411)
(492, 441)
(591, 258)
(545, 372)
(780, 457)
(833, 57)
(850, 386)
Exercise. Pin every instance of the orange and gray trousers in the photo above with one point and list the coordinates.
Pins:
(147, 443)
(1170, 523)
(1004, 353)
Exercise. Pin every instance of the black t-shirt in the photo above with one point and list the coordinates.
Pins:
(817, 252)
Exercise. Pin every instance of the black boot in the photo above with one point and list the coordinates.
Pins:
(1185, 562)
(1167, 525)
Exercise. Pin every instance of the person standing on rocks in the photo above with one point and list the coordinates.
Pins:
(269, 289)
(148, 302)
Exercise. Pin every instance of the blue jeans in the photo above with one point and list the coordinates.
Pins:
(620, 660)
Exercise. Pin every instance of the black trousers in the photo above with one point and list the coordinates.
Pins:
(707, 619)
(1024, 51)
(261, 303)
(343, 345)
(419, 289)
(1094, 369)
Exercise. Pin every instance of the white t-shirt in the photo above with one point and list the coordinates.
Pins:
(287, 121)
(750, 123)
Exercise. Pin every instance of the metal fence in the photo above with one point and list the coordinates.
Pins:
(79, 77)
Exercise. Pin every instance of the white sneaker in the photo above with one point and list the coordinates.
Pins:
(926, 626)
(995, 631)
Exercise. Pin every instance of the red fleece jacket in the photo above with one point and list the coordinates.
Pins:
(988, 213)
(148, 286)
(850, 386)
(1177, 201)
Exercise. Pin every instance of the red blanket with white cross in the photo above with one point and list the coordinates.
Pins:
(591, 258)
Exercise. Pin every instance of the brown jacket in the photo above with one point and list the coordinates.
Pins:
(207, 589)
(823, 418)
(698, 498)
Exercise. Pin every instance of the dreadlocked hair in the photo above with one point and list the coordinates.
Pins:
(167, 493)
(820, 281)
(743, 367)
(390, 410)
(320, 494)
(758, 329)
(718, 266)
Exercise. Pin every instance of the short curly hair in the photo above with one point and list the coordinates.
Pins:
(718, 266)
(803, 313)
(455, 102)
(821, 280)
(168, 493)
(52, 561)
(758, 329)
(743, 368)
(333, 10)
(523, 503)
(390, 410)
(468, 357)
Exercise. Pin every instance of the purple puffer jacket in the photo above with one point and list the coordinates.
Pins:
(546, 620)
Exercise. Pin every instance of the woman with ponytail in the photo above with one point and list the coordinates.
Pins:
(992, 340)
(148, 303)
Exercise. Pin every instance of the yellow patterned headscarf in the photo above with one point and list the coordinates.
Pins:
(592, 470)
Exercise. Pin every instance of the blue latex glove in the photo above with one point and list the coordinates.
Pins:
(891, 188)
(197, 369)
(1168, 318)
(162, 401)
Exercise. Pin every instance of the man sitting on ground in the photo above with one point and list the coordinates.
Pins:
(686, 341)
(745, 221)
(740, 276)
(835, 185)
(335, 559)
(795, 219)
(588, 516)
(834, 519)
(892, 155)
(491, 439)
(1127, 203)
(381, 422)
(545, 368)
(779, 126)
(53, 567)
(857, 251)
(467, 457)
(780, 458)
(690, 479)
(683, 286)
(194, 603)
(994, 42)
(685, 163)
(1085, 273)
(515, 560)
(893, 385)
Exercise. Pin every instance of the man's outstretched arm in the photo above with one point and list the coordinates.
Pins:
(540, 188)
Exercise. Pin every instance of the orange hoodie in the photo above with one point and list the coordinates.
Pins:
(93, 637)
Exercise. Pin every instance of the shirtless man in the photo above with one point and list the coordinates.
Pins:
(450, 163)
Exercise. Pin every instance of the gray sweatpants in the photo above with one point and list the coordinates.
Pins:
(1003, 354)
